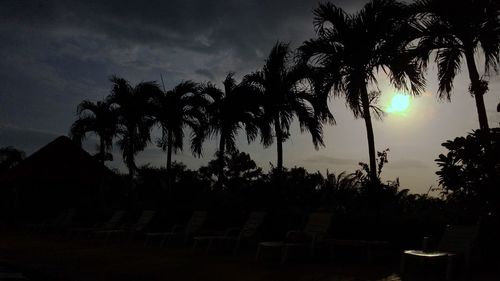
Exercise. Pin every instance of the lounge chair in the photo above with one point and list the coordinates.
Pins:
(179, 231)
(131, 229)
(111, 224)
(60, 222)
(307, 240)
(234, 236)
(456, 242)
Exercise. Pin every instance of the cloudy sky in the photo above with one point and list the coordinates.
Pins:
(54, 54)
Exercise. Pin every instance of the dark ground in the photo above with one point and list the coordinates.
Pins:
(47, 257)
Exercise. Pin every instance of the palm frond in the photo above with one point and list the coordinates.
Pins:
(448, 62)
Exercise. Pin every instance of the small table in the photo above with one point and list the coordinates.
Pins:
(430, 255)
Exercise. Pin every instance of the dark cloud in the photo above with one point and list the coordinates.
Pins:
(54, 54)
(205, 73)
(247, 28)
(57, 53)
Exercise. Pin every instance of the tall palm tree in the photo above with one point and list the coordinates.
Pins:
(134, 109)
(175, 109)
(232, 109)
(458, 29)
(283, 98)
(350, 49)
(99, 118)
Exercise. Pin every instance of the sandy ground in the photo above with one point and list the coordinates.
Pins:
(47, 257)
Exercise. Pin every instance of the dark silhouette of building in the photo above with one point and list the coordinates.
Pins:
(59, 176)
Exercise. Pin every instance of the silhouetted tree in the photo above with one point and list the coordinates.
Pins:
(340, 190)
(232, 109)
(99, 118)
(464, 171)
(457, 29)
(320, 89)
(10, 157)
(239, 170)
(283, 98)
(134, 108)
(350, 49)
(183, 106)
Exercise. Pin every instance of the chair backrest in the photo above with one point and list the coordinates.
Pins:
(318, 224)
(143, 221)
(115, 219)
(66, 218)
(251, 226)
(196, 222)
(458, 238)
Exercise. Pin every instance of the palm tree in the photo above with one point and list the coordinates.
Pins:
(283, 98)
(457, 29)
(351, 49)
(99, 118)
(134, 109)
(174, 110)
(232, 109)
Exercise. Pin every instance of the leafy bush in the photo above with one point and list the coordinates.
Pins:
(469, 173)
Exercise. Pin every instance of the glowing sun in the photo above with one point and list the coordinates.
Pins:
(399, 104)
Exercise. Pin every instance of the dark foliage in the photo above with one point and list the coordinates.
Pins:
(174, 110)
(99, 118)
(134, 107)
(469, 173)
(235, 108)
(283, 100)
(362, 209)
(455, 35)
(9, 157)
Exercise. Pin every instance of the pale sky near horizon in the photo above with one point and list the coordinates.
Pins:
(54, 54)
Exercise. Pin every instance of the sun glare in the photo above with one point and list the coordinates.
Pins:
(399, 104)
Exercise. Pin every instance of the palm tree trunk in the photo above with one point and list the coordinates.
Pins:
(102, 150)
(169, 150)
(169, 160)
(222, 147)
(369, 133)
(477, 90)
(129, 160)
(130, 152)
(279, 146)
(131, 170)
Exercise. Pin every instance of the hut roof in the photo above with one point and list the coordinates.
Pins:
(59, 162)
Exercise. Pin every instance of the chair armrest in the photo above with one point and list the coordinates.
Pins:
(316, 239)
(232, 232)
(99, 225)
(290, 233)
(300, 237)
(178, 228)
(127, 226)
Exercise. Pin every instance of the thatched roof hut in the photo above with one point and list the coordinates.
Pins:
(60, 175)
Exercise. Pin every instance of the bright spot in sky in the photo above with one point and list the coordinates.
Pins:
(399, 104)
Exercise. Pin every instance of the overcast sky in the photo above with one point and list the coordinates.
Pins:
(54, 54)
